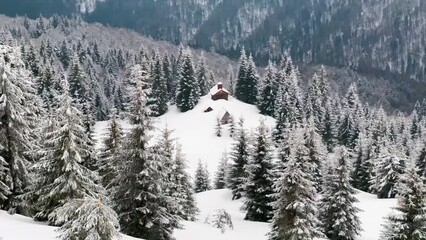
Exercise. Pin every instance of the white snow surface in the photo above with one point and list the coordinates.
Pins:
(195, 130)
(16, 227)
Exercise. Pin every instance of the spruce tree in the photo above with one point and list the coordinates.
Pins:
(158, 97)
(389, 167)
(203, 76)
(168, 77)
(241, 77)
(185, 188)
(60, 173)
(202, 181)
(239, 159)
(258, 188)
(363, 169)
(421, 159)
(338, 214)
(295, 211)
(87, 218)
(410, 220)
(221, 172)
(268, 90)
(109, 156)
(317, 153)
(247, 80)
(16, 91)
(188, 91)
(138, 194)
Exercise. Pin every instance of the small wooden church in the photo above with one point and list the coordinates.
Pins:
(218, 92)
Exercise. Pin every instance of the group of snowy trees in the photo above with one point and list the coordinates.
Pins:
(134, 182)
(97, 74)
(327, 146)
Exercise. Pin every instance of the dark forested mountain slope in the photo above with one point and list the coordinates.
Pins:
(372, 36)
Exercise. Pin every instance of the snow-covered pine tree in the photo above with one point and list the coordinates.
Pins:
(188, 91)
(109, 156)
(87, 219)
(203, 76)
(241, 77)
(259, 170)
(81, 93)
(231, 77)
(338, 214)
(221, 172)
(60, 173)
(420, 159)
(329, 131)
(171, 181)
(232, 126)
(218, 128)
(410, 220)
(317, 153)
(185, 192)
(315, 100)
(168, 77)
(268, 91)
(16, 91)
(158, 97)
(202, 180)
(295, 210)
(390, 166)
(239, 158)
(251, 82)
(363, 167)
(138, 194)
(350, 125)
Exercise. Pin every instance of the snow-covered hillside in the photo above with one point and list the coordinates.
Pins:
(22, 228)
(195, 129)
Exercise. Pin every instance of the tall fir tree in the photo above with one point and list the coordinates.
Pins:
(221, 172)
(409, 222)
(110, 153)
(138, 194)
(258, 188)
(203, 77)
(239, 158)
(188, 91)
(185, 190)
(202, 180)
(60, 173)
(247, 81)
(158, 97)
(17, 89)
(268, 91)
(389, 168)
(295, 210)
(317, 153)
(338, 214)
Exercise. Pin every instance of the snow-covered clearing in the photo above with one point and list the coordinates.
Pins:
(195, 129)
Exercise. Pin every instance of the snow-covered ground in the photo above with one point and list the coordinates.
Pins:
(22, 228)
(195, 130)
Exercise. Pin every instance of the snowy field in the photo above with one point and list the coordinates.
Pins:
(22, 228)
(195, 130)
